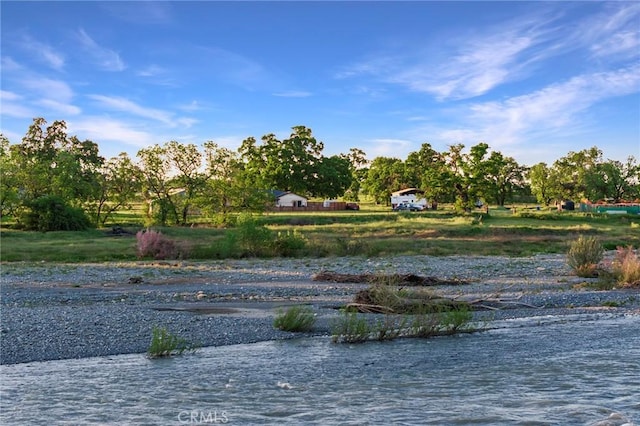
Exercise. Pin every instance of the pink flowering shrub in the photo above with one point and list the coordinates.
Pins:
(155, 245)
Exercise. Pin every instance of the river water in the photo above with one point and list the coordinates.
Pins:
(545, 371)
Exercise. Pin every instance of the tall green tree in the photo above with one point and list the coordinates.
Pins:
(172, 180)
(50, 163)
(359, 168)
(9, 180)
(503, 176)
(569, 173)
(385, 176)
(119, 184)
(185, 161)
(156, 173)
(294, 164)
(541, 182)
(429, 171)
(613, 180)
(334, 177)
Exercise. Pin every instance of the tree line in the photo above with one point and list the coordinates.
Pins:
(51, 180)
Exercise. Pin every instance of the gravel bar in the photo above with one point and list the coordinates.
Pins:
(61, 311)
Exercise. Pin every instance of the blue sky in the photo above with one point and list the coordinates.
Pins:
(534, 80)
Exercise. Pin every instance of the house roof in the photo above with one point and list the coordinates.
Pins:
(279, 194)
(408, 191)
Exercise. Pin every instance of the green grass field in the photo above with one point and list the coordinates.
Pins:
(372, 231)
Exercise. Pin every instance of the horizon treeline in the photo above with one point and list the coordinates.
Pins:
(51, 177)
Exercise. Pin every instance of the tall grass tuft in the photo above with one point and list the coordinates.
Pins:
(164, 344)
(626, 267)
(351, 328)
(584, 255)
(295, 318)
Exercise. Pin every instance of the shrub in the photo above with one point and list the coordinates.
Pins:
(52, 213)
(153, 244)
(295, 318)
(626, 267)
(252, 238)
(584, 255)
(165, 344)
(289, 243)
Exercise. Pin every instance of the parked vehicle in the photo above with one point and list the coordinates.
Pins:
(412, 207)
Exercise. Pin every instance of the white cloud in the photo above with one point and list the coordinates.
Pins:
(556, 109)
(9, 96)
(474, 64)
(615, 31)
(151, 71)
(125, 105)
(293, 94)
(60, 107)
(395, 148)
(106, 59)
(103, 129)
(44, 52)
(8, 64)
(191, 106)
(47, 88)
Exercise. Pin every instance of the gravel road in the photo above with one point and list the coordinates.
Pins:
(60, 311)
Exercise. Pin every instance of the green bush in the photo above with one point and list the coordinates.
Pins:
(584, 255)
(165, 344)
(252, 238)
(288, 244)
(295, 318)
(52, 213)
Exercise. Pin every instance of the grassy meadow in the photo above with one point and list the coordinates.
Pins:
(372, 231)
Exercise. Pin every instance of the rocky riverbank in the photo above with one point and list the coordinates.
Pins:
(58, 311)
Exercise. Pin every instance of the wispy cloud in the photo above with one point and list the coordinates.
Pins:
(395, 148)
(151, 71)
(105, 58)
(105, 129)
(476, 64)
(65, 109)
(293, 94)
(47, 88)
(125, 105)
(557, 108)
(235, 68)
(13, 105)
(509, 51)
(191, 106)
(46, 53)
(614, 32)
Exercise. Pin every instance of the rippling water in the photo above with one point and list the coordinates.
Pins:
(549, 373)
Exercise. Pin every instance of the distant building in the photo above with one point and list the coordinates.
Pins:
(289, 199)
(409, 195)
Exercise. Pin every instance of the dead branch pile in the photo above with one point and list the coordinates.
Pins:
(385, 299)
(396, 279)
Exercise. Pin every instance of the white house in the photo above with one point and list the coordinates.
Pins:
(409, 195)
(289, 199)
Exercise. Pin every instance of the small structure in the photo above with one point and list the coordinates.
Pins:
(409, 195)
(288, 199)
